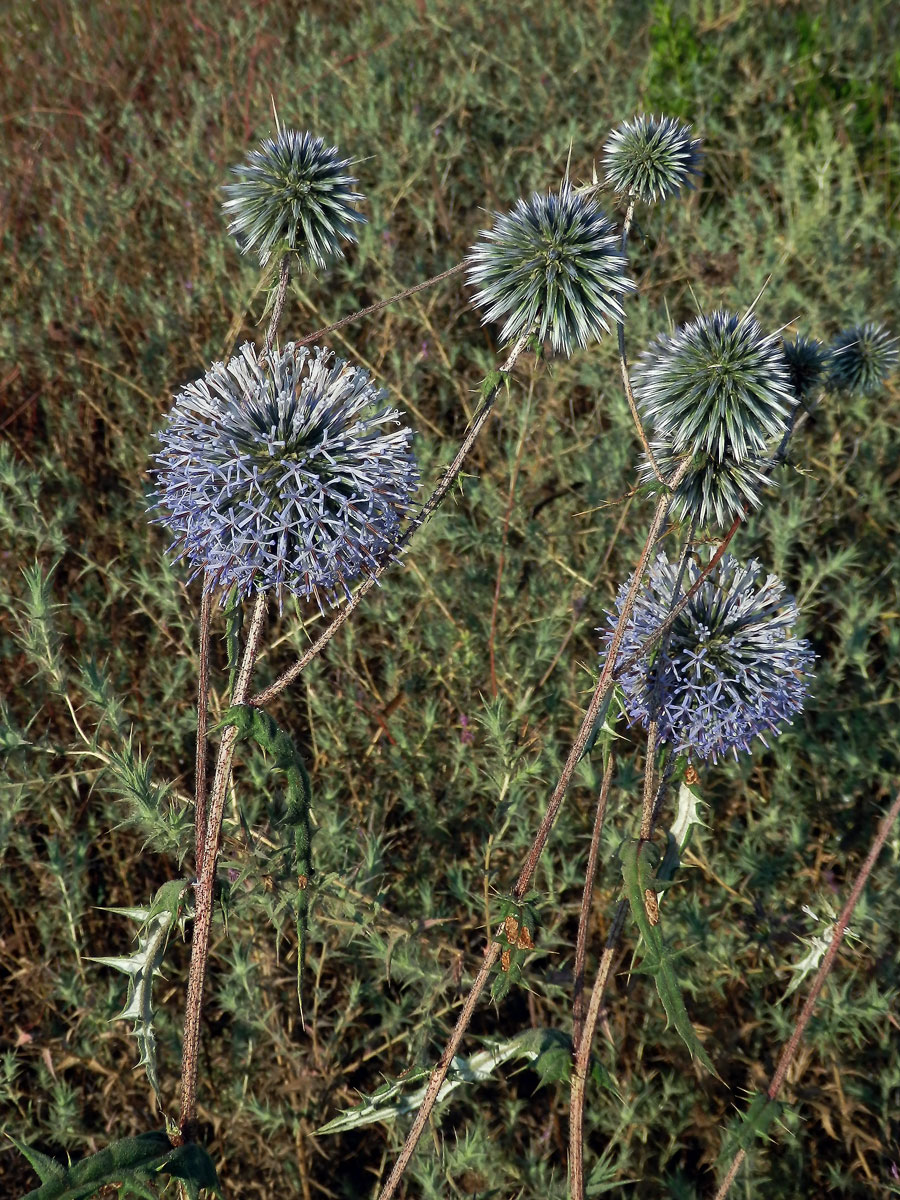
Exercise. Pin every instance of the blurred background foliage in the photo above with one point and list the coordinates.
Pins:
(436, 722)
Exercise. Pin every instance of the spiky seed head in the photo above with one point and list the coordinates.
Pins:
(293, 193)
(861, 358)
(651, 158)
(732, 670)
(713, 493)
(807, 360)
(553, 262)
(718, 385)
(284, 475)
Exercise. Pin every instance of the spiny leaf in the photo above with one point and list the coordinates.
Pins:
(129, 1164)
(155, 925)
(641, 887)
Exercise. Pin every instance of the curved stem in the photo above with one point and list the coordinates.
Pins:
(790, 1049)
(446, 482)
(623, 360)
(604, 685)
(206, 883)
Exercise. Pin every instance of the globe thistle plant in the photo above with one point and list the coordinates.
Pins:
(554, 263)
(651, 158)
(807, 360)
(284, 477)
(717, 385)
(862, 357)
(713, 492)
(296, 194)
(732, 669)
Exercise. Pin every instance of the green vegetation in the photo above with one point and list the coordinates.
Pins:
(436, 722)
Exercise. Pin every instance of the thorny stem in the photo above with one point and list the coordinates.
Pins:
(840, 928)
(604, 685)
(202, 728)
(623, 359)
(582, 1048)
(206, 883)
(586, 898)
(284, 277)
(444, 485)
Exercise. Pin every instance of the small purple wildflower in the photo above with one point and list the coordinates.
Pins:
(466, 735)
(282, 477)
(732, 670)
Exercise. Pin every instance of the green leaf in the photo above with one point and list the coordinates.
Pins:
(640, 888)
(156, 922)
(130, 1164)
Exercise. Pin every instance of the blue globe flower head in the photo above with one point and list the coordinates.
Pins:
(807, 360)
(862, 357)
(714, 491)
(732, 670)
(286, 476)
(553, 261)
(293, 193)
(718, 385)
(651, 158)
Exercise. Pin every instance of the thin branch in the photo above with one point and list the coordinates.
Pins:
(205, 890)
(623, 360)
(284, 277)
(582, 1049)
(840, 928)
(202, 728)
(604, 685)
(374, 308)
(586, 899)
(446, 482)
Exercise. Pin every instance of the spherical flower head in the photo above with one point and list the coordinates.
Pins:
(294, 193)
(806, 360)
(552, 262)
(862, 357)
(651, 158)
(718, 385)
(284, 476)
(713, 492)
(732, 670)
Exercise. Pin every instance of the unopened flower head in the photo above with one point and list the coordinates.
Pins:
(651, 158)
(553, 263)
(294, 193)
(284, 476)
(862, 357)
(717, 384)
(732, 670)
(806, 360)
(713, 492)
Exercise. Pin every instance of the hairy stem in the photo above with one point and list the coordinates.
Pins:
(205, 890)
(202, 728)
(446, 482)
(284, 278)
(837, 936)
(623, 359)
(604, 685)
(586, 898)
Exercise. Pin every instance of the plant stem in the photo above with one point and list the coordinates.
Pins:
(374, 308)
(604, 685)
(623, 359)
(284, 277)
(446, 482)
(205, 890)
(582, 1048)
(586, 898)
(202, 728)
(837, 936)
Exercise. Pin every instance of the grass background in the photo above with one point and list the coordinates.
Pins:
(435, 725)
